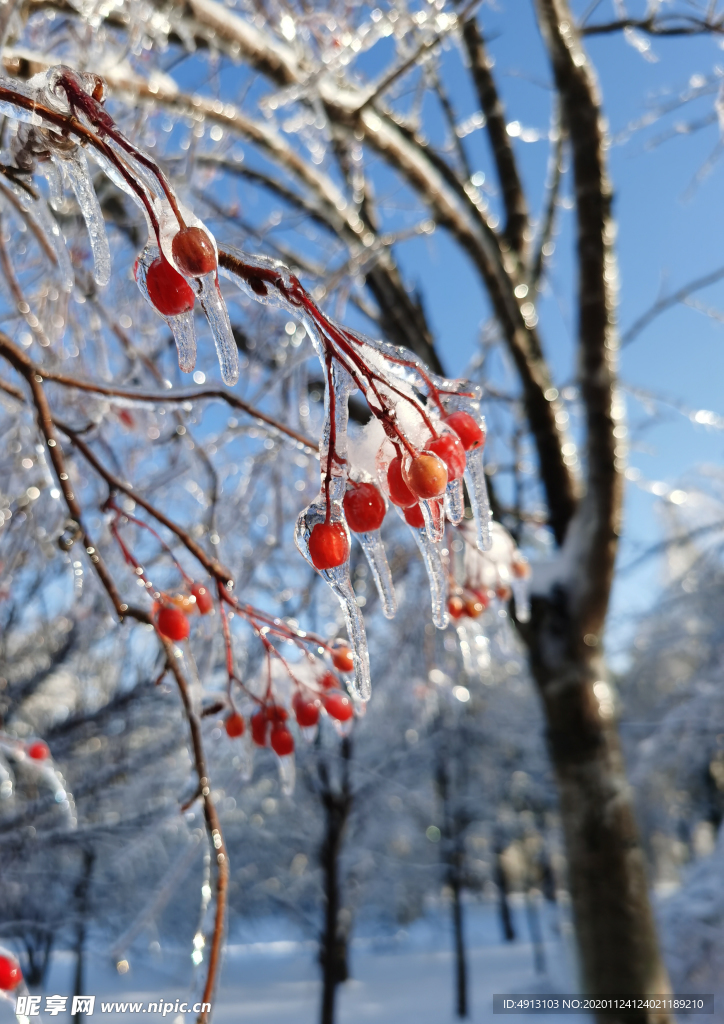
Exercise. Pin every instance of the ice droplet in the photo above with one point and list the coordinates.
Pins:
(182, 325)
(434, 515)
(77, 173)
(375, 554)
(435, 573)
(521, 594)
(454, 501)
(214, 307)
(478, 491)
(287, 774)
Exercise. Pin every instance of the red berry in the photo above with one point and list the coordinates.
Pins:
(193, 252)
(204, 600)
(450, 449)
(172, 624)
(306, 709)
(342, 658)
(483, 596)
(364, 508)
(520, 567)
(328, 545)
(473, 607)
(329, 681)
(282, 741)
(38, 751)
(503, 592)
(234, 725)
(338, 705)
(259, 727)
(400, 493)
(414, 517)
(427, 476)
(10, 974)
(167, 290)
(468, 430)
(456, 607)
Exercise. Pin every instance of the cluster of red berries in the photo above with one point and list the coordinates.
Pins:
(470, 603)
(268, 723)
(408, 481)
(10, 973)
(168, 290)
(172, 618)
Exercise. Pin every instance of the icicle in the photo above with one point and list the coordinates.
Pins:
(377, 560)
(478, 491)
(435, 573)
(340, 582)
(53, 175)
(214, 307)
(434, 515)
(76, 170)
(464, 644)
(454, 501)
(520, 589)
(6, 780)
(287, 774)
(182, 325)
(38, 213)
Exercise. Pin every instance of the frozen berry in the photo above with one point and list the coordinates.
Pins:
(282, 741)
(172, 624)
(520, 566)
(427, 476)
(400, 493)
(193, 252)
(414, 517)
(329, 681)
(38, 751)
(234, 725)
(473, 607)
(10, 974)
(364, 508)
(456, 607)
(204, 600)
(342, 658)
(450, 449)
(503, 592)
(338, 705)
(306, 709)
(259, 727)
(468, 430)
(328, 545)
(167, 290)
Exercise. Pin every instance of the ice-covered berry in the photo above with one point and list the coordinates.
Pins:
(169, 292)
(204, 600)
(282, 741)
(328, 545)
(426, 475)
(338, 705)
(468, 430)
(400, 493)
(172, 624)
(193, 252)
(450, 449)
(364, 507)
(234, 725)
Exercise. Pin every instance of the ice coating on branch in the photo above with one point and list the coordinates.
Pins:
(478, 491)
(214, 307)
(521, 595)
(377, 559)
(182, 325)
(76, 171)
(54, 176)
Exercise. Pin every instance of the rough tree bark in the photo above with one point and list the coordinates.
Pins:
(606, 865)
(333, 945)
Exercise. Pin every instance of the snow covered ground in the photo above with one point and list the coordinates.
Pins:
(408, 978)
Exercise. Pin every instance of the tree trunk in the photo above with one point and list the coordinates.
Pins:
(333, 943)
(536, 933)
(81, 895)
(461, 968)
(501, 881)
(612, 914)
